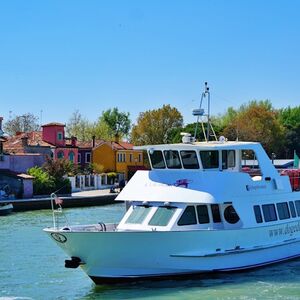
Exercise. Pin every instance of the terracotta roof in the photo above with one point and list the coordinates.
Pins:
(89, 144)
(53, 124)
(118, 145)
(14, 144)
(122, 145)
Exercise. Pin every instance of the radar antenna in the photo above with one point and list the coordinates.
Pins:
(200, 113)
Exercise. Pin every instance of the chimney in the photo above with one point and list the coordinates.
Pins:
(24, 141)
(117, 138)
(93, 142)
(73, 141)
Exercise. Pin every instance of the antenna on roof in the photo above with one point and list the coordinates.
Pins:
(200, 113)
(41, 118)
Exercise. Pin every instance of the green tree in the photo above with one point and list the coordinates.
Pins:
(290, 118)
(257, 121)
(23, 123)
(156, 126)
(117, 122)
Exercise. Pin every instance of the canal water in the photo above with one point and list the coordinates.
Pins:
(32, 267)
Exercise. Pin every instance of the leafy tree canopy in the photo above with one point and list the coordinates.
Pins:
(156, 126)
(118, 123)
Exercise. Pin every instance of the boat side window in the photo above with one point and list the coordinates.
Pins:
(283, 211)
(210, 159)
(138, 214)
(202, 212)
(297, 203)
(188, 217)
(292, 209)
(230, 215)
(250, 164)
(257, 213)
(228, 159)
(189, 159)
(172, 159)
(157, 159)
(269, 212)
(162, 216)
(215, 213)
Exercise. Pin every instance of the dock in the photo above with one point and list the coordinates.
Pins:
(78, 199)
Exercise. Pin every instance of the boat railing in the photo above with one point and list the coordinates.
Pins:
(99, 227)
(58, 216)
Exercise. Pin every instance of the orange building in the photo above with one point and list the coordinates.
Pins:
(119, 157)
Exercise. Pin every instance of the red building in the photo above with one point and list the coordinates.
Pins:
(54, 134)
(50, 141)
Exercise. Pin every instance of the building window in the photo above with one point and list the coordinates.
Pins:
(59, 136)
(79, 157)
(140, 157)
(88, 157)
(130, 157)
(269, 212)
(60, 155)
(71, 156)
(257, 213)
(121, 157)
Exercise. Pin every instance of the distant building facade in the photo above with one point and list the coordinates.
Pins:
(51, 141)
(119, 157)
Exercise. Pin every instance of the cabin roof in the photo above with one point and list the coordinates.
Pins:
(201, 145)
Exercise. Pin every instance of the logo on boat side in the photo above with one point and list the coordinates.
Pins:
(182, 183)
(59, 237)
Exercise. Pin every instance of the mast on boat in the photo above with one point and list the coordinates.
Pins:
(200, 113)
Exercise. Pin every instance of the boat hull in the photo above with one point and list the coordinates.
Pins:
(118, 256)
(6, 209)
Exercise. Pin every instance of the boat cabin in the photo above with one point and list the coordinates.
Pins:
(205, 186)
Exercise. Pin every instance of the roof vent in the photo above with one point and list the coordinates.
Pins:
(187, 138)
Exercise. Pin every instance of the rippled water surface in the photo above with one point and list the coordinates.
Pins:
(32, 267)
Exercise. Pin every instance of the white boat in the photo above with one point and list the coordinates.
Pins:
(197, 210)
(5, 208)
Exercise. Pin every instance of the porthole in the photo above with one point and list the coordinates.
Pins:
(230, 215)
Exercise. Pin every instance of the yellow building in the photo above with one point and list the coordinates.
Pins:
(118, 157)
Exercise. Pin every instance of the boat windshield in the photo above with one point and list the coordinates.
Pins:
(162, 216)
(189, 159)
(210, 159)
(157, 160)
(172, 159)
(138, 214)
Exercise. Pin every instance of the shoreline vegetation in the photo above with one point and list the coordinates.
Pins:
(278, 130)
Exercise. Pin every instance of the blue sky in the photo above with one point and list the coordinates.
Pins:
(60, 56)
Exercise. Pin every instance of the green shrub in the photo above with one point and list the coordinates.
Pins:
(43, 183)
